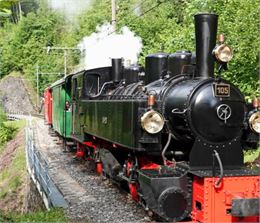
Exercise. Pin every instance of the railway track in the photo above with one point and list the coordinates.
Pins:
(90, 198)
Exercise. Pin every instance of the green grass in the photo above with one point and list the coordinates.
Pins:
(19, 162)
(19, 124)
(251, 155)
(4, 217)
(54, 215)
(15, 74)
(1, 148)
(11, 178)
(13, 183)
(15, 126)
(4, 175)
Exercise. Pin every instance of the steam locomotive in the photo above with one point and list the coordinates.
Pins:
(171, 132)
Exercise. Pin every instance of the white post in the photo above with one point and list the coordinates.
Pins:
(113, 15)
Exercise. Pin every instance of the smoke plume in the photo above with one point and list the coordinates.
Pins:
(103, 45)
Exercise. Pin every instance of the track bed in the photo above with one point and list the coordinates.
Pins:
(90, 198)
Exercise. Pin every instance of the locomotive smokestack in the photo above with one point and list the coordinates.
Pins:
(117, 69)
(206, 30)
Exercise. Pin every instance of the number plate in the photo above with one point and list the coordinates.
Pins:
(221, 90)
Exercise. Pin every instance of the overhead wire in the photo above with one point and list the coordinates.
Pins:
(159, 2)
(142, 14)
(139, 5)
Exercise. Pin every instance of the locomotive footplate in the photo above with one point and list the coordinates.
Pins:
(166, 192)
(227, 173)
(240, 171)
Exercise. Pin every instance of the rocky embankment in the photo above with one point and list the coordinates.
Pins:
(14, 97)
(17, 193)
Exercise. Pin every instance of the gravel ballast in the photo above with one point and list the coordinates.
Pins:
(91, 198)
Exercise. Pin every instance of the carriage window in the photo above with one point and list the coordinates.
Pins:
(91, 84)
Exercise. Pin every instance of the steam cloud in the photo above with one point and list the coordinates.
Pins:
(101, 46)
(71, 8)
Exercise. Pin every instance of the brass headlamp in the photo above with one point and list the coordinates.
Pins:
(223, 53)
(254, 122)
(152, 122)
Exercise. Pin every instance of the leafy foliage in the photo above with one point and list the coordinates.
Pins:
(96, 15)
(239, 21)
(13, 9)
(6, 131)
(8, 10)
(28, 40)
(6, 5)
(170, 26)
(162, 24)
(2, 116)
(252, 155)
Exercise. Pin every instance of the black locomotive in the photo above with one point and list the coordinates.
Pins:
(169, 130)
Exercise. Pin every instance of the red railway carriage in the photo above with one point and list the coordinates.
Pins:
(48, 106)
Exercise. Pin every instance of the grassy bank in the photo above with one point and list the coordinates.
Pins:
(13, 177)
(54, 215)
(12, 166)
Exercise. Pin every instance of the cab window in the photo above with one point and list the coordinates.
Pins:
(91, 84)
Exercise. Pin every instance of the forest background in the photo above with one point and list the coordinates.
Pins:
(27, 26)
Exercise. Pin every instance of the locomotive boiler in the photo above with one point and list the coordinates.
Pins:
(171, 132)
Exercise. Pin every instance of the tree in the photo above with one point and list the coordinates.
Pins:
(22, 45)
(170, 24)
(162, 24)
(10, 9)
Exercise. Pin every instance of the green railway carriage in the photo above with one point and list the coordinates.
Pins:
(61, 104)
